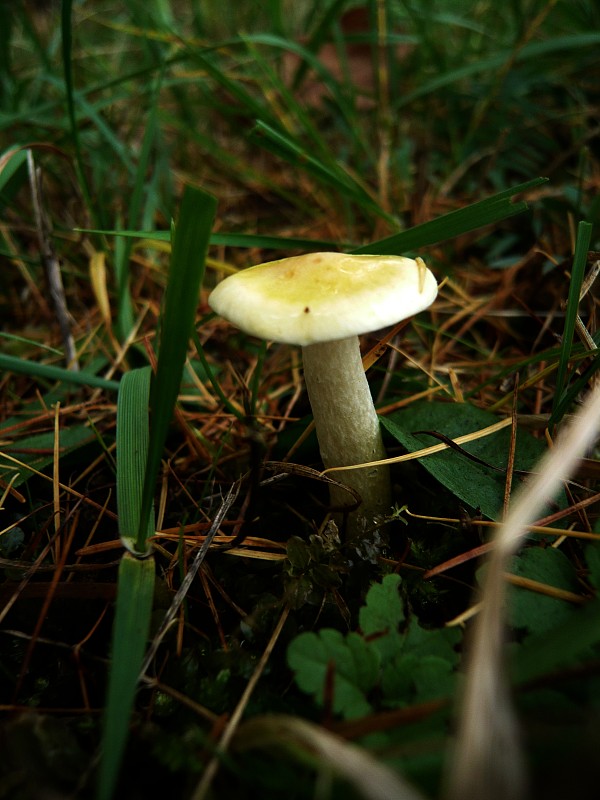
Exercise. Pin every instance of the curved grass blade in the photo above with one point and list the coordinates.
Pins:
(228, 239)
(46, 371)
(477, 215)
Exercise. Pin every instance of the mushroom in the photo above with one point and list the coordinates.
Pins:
(323, 302)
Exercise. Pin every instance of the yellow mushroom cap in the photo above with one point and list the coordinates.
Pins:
(321, 297)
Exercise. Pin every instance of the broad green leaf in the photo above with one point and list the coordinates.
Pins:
(575, 638)
(355, 668)
(383, 607)
(135, 590)
(530, 610)
(474, 484)
(592, 557)
(38, 451)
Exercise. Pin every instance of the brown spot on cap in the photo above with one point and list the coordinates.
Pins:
(307, 310)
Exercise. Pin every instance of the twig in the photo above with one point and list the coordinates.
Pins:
(51, 263)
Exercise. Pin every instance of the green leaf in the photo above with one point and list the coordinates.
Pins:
(584, 235)
(592, 558)
(530, 610)
(355, 668)
(413, 666)
(413, 678)
(132, 453)
(575, 638)
(383, 607)
(332, 174)
(474, 484)
(130, 635)
(423, 667)
(247, 240)
(190, 242)
(440, 643)
(67, 53)
(41, 451)
(477, 215)
(485, 212)
(13, 173)
(381, 616)
(48, 372)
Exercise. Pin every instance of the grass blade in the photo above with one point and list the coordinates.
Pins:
(190, 242)
(228, 239)
(24, 367)
(139, 450)
(122, 254)
(130, 635)
(67, 47)
(132, 453)
(281, 145)
(477, 215)
(584, 234)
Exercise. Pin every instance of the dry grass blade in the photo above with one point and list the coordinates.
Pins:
(429, 451)
(486, 760)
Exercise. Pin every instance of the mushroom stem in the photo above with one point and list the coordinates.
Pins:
(347, 426)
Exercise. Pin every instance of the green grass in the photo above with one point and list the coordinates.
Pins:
(176, 608)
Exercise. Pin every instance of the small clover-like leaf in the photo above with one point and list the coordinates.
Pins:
(355, 669)
(381, 616)
(298, 553)
(411, 678)
(440, 643)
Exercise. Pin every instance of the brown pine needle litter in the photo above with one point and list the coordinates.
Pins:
(290, 115)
